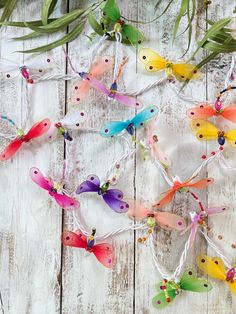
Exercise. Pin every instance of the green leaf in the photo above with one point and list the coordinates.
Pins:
(219, 48)
(24, 24)
(48, 6)
(28, 36)
(8, 9)
(182, 12)
(76, 31)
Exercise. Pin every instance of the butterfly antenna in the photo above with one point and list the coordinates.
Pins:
(120, 69)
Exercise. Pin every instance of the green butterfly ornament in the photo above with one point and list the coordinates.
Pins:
(168, 290)
(112, 15)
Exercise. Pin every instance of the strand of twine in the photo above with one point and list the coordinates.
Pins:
(163, 172)
(96, 48)
(216, 249)
(117, 54)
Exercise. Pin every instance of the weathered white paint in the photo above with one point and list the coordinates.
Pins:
(37, 274)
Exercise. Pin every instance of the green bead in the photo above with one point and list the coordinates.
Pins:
(20, 132)
(151, 222)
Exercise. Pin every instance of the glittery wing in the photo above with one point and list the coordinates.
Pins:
(11, 149)
(231, 137)
(92, 184)
(38, 129)
(152, 60)
(189, 281)
(73, 119)
(229, 113)
(164, 298)
(113, 128)
(185, 71)
(138, 209)
(166, 199)
(132, 34)
(38, 178)
(201, 184)
(113, 198)
(127, 100)
(66, 202)
(81, 90)
(143, 116)
(202, 111)
(204, 130)
(104, 253)
(96, 84)
(215, 210)
(111, 11)
(213, 266)
(170, 220)
(73, 239)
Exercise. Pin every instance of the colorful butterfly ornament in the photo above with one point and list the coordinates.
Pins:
(200, 220)
(215, 268)
(71, 121)
(112, 197)
(28, 71)
(112, 92)
(207, 131)
(104, 252)
(167, 290)
(55, 190)
(37, 130)
(113, 128)
(140, 210)
(112, 18)
(205, 111)
(97, 70)
(154, 62)
(183, 187)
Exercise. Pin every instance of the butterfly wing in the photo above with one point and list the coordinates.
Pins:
(66, 201)
(132, 34)
(185, 71)
(111, 11)
(160, 155)
(190, 282)
(201, 184)
(113, 128)
(96, 84)
(81, 90)
(104, 253)
(231, 137)
(7, 66)
(229, 113)
(170, 220)
(52, 132)
(101, 66)
(152, 60)
(215, 210)
(160, 300)
(232, 285)
(11, 149)
(113, 198)
(138, 209)
(127, 100)
(73, 119)
(204, 130)
(73, 239)
(38, 178)
(166, 199)
(214, 266)
(143, 116)
(38, 129)
(92, 184)
(202, 111)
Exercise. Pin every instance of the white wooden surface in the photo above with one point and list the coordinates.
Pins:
(37, 274)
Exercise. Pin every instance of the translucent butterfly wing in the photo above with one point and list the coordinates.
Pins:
(160, 300)
(8, 66)
(38, 129)
(138, 209)
(215, 210)
(38, 178)
(132, 34)
(11, 149)
(214, 266)
(170, 220)
(73, 119)
(92, 184)
(231, 137)
(127, 100)
(97, 85)
(73, 239)
(113, 128)
(160, 155)
(201, 184)
(190, 282)
(152, 60)
(111, 11)
(202, 111)
(144, 115)
(185, 71)
(52, 132)
(232, 286)
(204, 130)
(229, 113)
(104, 252)
(66, 201)
(166, 199)
(113, 198)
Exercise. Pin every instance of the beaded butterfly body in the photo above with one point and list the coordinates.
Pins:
(104, 252)
(112, 197)
(154, 62)
(53, 189)
(168, 290)
(37, 130)
(215, 268)
(113, 128)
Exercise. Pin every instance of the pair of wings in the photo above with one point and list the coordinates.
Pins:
(139, 210)
(214, 267)
(121, 98)
(201, 184)
(116, 127)
(189, 281)
(104, 252)
(206, 131)
(205, 111)
(154, 62)
(111, 13)
(72, 120)
(112, 197)
(37, 130)
(98, 68)
(62, 200)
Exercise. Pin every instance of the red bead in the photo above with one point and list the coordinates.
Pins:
(221, 148)
(213, 153)
(168, 300)
(204, 156)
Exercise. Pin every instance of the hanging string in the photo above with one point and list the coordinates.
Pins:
(117, 54)
(96, 48)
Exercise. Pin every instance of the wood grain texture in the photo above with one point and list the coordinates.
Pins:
(37, 274)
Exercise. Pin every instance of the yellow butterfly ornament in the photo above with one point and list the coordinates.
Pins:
(154, 62)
